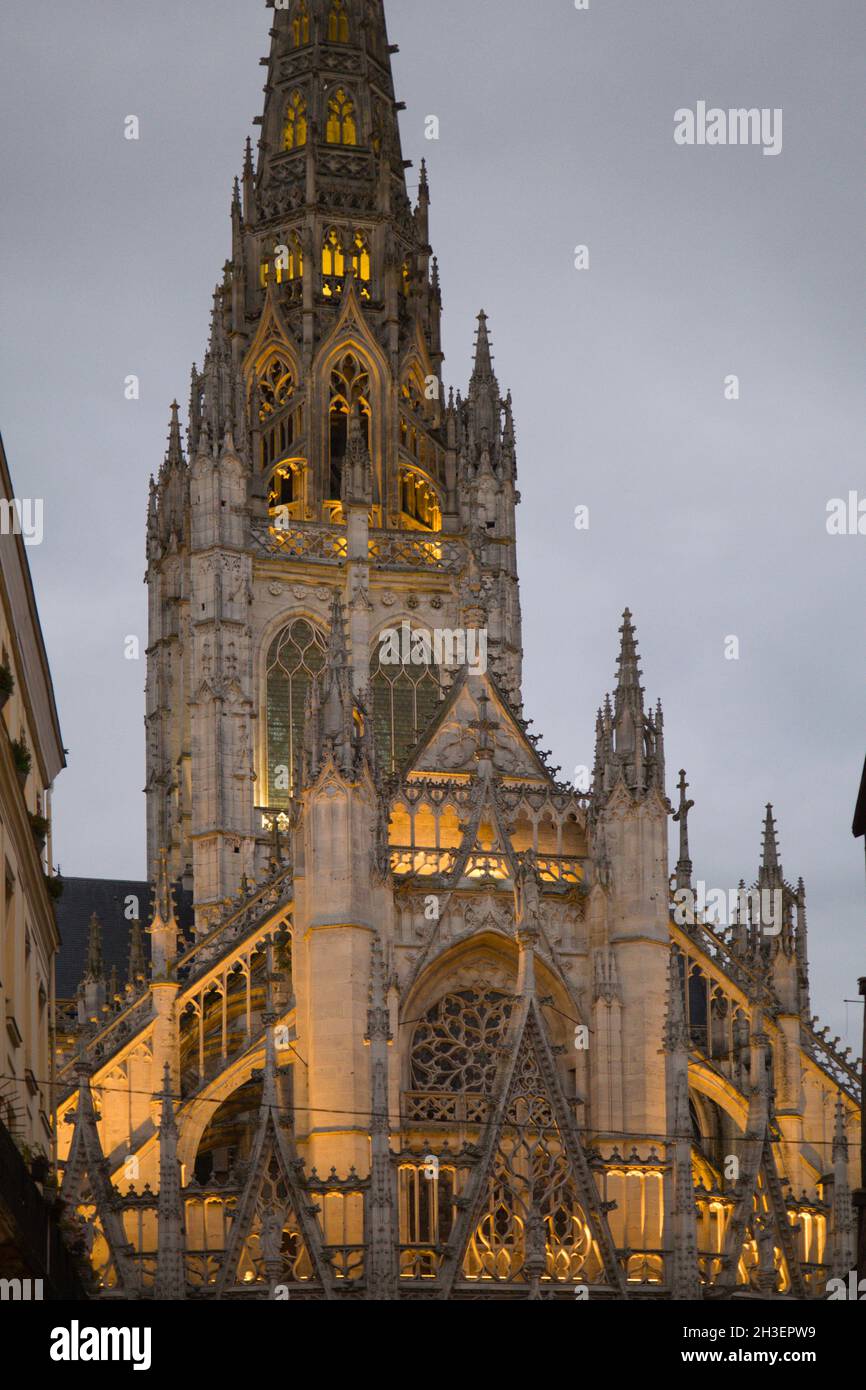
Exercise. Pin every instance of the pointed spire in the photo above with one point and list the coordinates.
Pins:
(683, 1238)
(136, 968)
(171, 1243)
(628, 670)
(174, 454)
(684, 864)
(482, 370)
(95, 968)
(771, 870)
(163, 930)
(844, 1222)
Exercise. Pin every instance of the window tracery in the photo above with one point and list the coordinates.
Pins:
(338, 22)
(455, 1047)
(342, 127)
(295, 132)
(405, 699)
(350, 391)
(296, 656)
(301, 25)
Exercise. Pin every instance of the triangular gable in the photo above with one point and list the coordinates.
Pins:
(272, 331)
(86, 1184)
(532, 1198)
(449, 745)
(759, 1231)
(274, 1237)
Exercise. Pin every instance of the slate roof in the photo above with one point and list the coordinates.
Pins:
(108, 898)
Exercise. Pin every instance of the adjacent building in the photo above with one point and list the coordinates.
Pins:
(31, 756)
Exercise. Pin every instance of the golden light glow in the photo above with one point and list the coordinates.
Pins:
(341, 128)
(338, 23)
(301, 25)
(295, 134)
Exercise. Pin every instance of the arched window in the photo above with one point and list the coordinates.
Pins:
(419, 503)
(288, 264)
(281, 418)
(342, 128)
(338, 22)
(295, 658)
(301, 25)
(333, 264)
(295, 134)
(350, 389)
(405, 700)
(361, 263)
(276, 388)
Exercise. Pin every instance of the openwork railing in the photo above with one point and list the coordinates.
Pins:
(445, 1107)
(389, 550)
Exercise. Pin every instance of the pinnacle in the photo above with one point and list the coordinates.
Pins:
(629, 672)
(770, 855)
(174, 453)
(483, 356)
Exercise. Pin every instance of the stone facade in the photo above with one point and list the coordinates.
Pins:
(438, 1032)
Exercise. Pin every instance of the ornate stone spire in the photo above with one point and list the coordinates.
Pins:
(630, 745)
(171, 1242)
(844, 1223)
(383, 1233)
(770, 875)
(163, 929)
(683, 1240)
(136, 966)
(684, 864)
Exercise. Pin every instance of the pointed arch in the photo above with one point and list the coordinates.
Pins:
(407, 691)
(342, 122)
(294, 659)
(532, 1211)
(295, 130)
(349, 393)
(301, 25)
(338, 22)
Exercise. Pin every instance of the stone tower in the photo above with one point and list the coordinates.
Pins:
(422, 965)
(322, 456)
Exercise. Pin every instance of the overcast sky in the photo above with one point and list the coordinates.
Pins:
(707, 516)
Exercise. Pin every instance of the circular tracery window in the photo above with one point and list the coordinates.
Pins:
(456, 1044)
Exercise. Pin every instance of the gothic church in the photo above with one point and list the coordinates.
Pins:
(432, 1029)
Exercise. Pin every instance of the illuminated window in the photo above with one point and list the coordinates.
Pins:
(295, 134)
(342, 128)
(350, 388)
(338, 23)
(333, 264)
(296, 656)
(301, 25)
(419, 501)
(276, 387)
(405, 700)
(407, 279)
(361, 263)
(288, 264)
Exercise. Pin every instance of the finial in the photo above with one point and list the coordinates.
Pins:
(684, 865)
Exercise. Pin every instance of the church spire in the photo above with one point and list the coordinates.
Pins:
(329, 84)
(770, 875)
